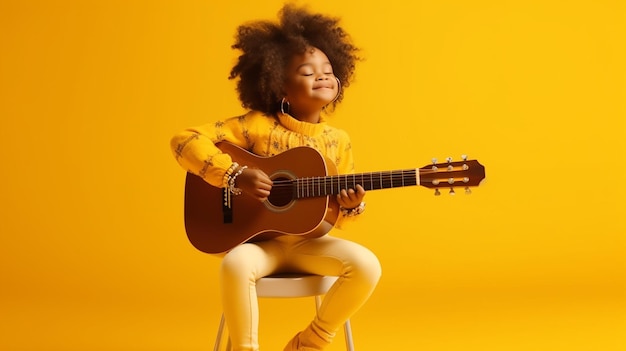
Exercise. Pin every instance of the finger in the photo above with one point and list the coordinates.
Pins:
(351, 194)
(360, 194)
(360, 190)
(344, 199)
(263, 192)
(341, 199)
(265, 186)
(262, 195)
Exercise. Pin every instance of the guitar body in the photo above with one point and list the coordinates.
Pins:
(212, 228)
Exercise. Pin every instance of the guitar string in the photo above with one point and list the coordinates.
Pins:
(376, 176)
(342, 178)
(320, 185)
(391, 175)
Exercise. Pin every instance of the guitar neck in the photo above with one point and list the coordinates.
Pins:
(466, 173)
(332, 185)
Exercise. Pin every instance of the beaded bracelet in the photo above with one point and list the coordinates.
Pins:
(351, 212)
(229, 173)
(231, 181)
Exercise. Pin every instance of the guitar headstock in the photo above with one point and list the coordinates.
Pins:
(452, 174)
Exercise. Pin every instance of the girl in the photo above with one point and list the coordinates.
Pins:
(289, 72)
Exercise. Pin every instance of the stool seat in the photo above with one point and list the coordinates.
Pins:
(292, 285)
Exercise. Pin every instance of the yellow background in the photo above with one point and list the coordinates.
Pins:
(93, 254)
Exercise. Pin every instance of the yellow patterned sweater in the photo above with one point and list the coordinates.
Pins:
(263, 135)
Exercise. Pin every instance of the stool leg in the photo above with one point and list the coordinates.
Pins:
(347, 329)
(220, 330)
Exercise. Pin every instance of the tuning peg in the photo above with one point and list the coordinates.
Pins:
(464, 157)
(449, 159)
(434, 168)
(437, 193)
(468, 191)
(452, 192)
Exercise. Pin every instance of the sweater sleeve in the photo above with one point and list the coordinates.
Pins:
(195, 150)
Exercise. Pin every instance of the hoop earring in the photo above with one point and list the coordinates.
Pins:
(282, 108)
(338, 89)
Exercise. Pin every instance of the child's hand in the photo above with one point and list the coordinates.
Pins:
(351, 198)
(255, 183)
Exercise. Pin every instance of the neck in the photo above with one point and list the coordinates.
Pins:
(307, 116)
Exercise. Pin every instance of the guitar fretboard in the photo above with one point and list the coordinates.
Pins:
(330, 185)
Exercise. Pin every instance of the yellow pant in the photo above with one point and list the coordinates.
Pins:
(357, 267)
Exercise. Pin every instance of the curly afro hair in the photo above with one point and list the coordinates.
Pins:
(268, 46)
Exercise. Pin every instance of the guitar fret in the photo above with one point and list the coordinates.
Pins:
(319, 186)
(338, 185)
(328, 189)
(386, 179)
(319, 183)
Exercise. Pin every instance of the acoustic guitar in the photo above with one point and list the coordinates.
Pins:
(303, 196)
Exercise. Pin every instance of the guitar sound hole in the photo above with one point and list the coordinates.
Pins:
(282, 192)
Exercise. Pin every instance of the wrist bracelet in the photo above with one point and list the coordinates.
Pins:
(231, 181)
(229, 173)
(351, 212)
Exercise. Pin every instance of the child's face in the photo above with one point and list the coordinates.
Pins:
(310, 83)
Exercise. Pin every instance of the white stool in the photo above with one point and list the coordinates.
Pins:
(292, 285)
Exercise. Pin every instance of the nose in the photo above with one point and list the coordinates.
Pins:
(322, 77)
